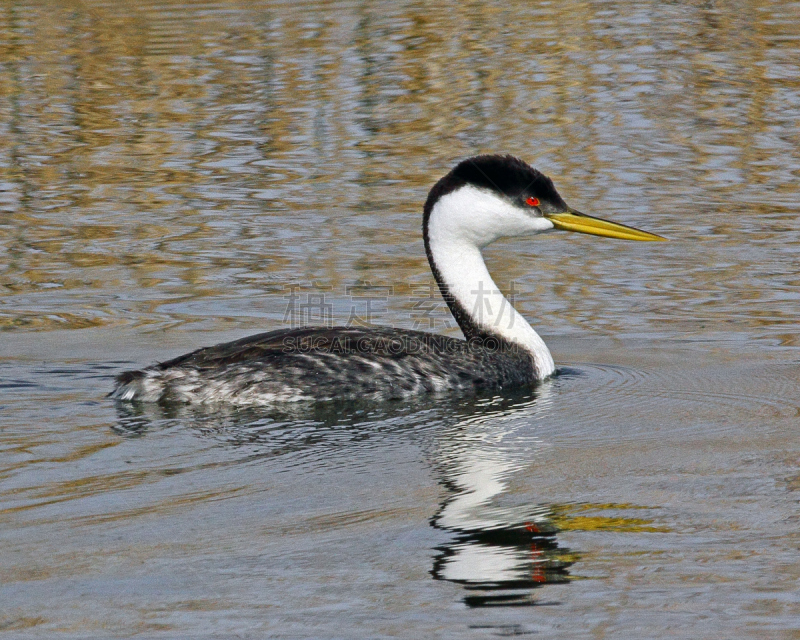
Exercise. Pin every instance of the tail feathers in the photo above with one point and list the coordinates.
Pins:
(126, 377)
(130, 386)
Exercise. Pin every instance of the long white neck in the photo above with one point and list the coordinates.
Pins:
(457, 262)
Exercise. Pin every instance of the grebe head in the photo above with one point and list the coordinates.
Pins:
(482, 199)
(489, 197)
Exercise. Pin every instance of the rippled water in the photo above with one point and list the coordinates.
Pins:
(176, 174)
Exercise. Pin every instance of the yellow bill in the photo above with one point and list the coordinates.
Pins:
(580, 222)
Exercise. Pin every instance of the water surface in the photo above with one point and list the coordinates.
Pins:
(173, 175)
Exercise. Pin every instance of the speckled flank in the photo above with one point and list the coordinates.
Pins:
(326, 364)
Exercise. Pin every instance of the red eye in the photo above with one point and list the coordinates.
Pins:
(533, 202)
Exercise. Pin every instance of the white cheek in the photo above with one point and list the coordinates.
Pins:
(479, 218)
(540, 224)
(508, 221)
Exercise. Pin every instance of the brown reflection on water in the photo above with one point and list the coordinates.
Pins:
(163, 162)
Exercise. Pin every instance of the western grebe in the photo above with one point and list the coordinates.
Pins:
(482, 199)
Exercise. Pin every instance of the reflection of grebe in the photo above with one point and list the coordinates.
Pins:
(482, 199)
(501, 549)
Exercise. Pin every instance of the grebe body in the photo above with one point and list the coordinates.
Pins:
(481, 200)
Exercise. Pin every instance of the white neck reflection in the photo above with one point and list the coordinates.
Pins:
(478, 457)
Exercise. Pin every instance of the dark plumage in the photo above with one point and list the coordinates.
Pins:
(326, 364)
(504, 175)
